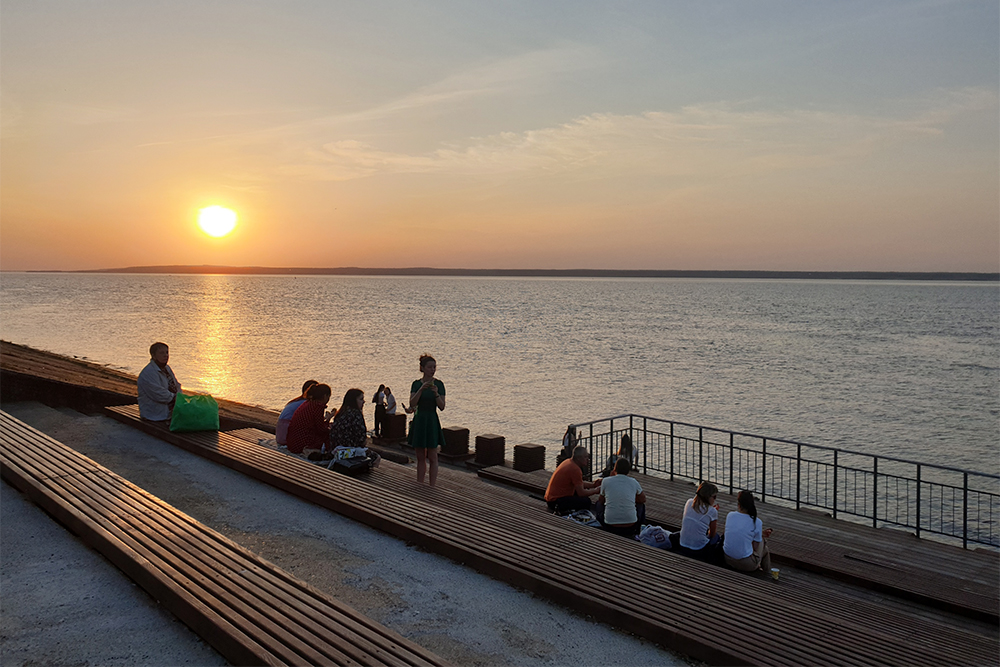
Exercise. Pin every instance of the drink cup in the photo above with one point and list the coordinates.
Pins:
(774, 573)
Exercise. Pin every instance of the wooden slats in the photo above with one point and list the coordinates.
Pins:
(660, 595)
(888, 560)
(245, 607)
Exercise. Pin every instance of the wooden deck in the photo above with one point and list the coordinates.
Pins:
(658, 595)
(249, 610)
(892, 561)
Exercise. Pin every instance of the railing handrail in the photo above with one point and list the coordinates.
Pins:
(792, 442)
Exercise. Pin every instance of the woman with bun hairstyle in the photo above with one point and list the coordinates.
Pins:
(701, 516)
(427, 397)
(745, 548)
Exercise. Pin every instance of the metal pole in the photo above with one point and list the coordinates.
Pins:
(918, 500)
(644, 446)
(875, 492)
(732, 449)
(965, 510)
(671, 450)
(798, 476)
(701, 442)
(763, 469)
(835, 467)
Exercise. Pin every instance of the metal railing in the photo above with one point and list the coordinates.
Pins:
(960, 505)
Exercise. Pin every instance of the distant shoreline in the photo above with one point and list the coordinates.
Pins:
(551, 273)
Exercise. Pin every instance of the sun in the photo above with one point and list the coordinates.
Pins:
(216, 221)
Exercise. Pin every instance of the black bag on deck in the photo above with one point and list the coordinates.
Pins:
(352, 467)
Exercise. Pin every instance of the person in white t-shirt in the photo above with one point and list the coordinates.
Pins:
(701, 517)
(624, 501)
(745, 547)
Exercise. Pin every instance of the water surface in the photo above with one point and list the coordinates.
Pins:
(907, 368)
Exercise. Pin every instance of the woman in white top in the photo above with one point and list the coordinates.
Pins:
(390, 402)
(745, 547)
(624, 501)
(701, 517)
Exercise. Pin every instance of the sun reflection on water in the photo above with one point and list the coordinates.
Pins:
(212, 324)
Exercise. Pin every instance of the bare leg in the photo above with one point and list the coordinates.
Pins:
(432, 454)
(765, 557)
(422, 464)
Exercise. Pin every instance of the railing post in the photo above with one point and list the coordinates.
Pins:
(701, 442)
(763, 468)
(836, 466)
(671, 450)
(644, 446)
(732, 450)
(798, 476)
(918, 500)
(965, 510)
(875, 492)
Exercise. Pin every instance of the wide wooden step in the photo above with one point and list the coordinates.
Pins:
(891, 561)
(658, 595)
(248, 609)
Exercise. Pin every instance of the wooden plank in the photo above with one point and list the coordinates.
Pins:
(241, 602)
(491, 534)
(960, 580)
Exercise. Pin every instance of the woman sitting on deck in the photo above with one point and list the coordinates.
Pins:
(626, 450)
(624, 501)
(309, 430)
(349, 429)
(698, 527)
(285, 418)
(745, 548)
(349, 434)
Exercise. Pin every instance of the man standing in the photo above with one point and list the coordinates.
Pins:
(157, 385)
(567, 490)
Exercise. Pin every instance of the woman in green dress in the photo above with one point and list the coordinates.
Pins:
(427, 397)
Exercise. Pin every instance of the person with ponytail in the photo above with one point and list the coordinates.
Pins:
(745, 548)
(698, 527)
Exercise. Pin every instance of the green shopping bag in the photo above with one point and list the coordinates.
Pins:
(196, 412)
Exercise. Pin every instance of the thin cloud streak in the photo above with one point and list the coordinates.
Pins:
(702, 139)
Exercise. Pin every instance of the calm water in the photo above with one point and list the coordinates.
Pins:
(910, 369)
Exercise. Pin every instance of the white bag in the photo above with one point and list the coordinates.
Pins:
(655, 536)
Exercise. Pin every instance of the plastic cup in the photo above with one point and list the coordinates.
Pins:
(774, 573)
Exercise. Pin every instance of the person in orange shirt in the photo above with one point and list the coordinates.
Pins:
(567, 490)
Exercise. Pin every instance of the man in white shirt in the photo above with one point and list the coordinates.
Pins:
(157, 385)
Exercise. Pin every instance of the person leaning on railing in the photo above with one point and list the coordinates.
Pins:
(567, 489)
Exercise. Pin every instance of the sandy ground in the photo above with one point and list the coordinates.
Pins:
(55, 591)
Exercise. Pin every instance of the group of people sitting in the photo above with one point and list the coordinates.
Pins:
(306, 428)
(621, 509)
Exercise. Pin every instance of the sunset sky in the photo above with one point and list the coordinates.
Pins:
(646, 135)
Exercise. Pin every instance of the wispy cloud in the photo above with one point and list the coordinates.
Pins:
(714, 139)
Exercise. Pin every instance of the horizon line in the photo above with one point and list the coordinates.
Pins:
(208, 269)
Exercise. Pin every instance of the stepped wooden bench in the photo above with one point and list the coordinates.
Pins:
(249, 610)
(892, 561)
(657, 595)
